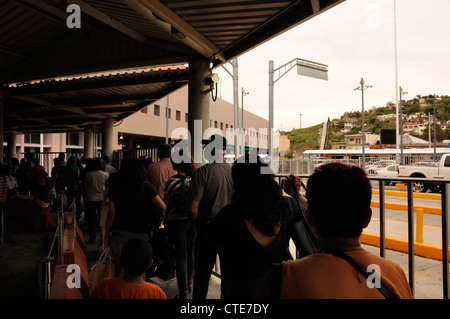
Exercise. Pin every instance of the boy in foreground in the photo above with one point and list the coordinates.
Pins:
(136, 258)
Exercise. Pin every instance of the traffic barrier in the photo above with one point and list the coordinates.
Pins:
(31, 211)
(70, 225)
(59, 288)
(404, 207)
(74, 254)
(431, 196)
(420, 249)
(419, 225)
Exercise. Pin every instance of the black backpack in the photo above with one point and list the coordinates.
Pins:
(179, 197)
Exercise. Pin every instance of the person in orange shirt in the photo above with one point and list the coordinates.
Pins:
(338, 207)
(136, 258)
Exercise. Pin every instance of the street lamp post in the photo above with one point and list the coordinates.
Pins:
(434, 120)
(401, 126)
(304, 67)
(362, 88)
(235, 77)
(243, 93)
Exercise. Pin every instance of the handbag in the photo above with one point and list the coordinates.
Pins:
(102, 269)
(302, 233)
(103, 214)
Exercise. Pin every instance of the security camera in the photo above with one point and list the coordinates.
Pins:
(211, 79)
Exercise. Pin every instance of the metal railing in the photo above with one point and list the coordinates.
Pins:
(445, 206)
(45, 265)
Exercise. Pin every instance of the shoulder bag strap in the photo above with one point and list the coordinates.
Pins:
(384, 291)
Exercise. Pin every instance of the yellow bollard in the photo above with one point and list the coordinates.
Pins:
(419, 225)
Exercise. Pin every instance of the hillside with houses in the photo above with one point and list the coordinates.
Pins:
(345, 132)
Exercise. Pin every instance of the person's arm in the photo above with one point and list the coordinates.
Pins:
(160, 207)
(193, 209)
(196, 188)
(290, 191)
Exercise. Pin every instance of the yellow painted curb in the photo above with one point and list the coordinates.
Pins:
(420, 249)
(432, 196)
(426, 209)
(401, 186)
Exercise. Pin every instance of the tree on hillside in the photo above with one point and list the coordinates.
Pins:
(440, 134)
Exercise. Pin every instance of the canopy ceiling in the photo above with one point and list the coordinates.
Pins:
(57, 79)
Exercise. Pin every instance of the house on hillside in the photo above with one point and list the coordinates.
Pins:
(354, 141)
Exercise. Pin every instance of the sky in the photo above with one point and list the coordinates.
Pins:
(356, 40)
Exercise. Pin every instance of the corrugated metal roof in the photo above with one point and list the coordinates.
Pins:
(36, 44)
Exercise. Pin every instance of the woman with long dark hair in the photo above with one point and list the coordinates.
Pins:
(133, 203)
(253, 231)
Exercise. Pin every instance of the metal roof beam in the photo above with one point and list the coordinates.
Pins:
(315, 4)
(189, 35)
(119, 26)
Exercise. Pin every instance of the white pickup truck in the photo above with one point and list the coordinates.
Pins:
(430, 170)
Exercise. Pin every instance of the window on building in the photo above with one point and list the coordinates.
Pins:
(32, 138)
(186, 117)
(144, 110)
(178, 116)
(170, 112)
(73, 138)
(226, 126)
(215, 124)
(156, 110)
(221, 125)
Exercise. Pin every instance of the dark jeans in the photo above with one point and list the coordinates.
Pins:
(92, 217)
(182, 234)
(72, 194)
(204, 260)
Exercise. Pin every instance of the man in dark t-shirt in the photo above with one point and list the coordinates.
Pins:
(210, 190)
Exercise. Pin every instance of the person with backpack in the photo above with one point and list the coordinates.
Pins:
(72, 183)
(57, 175)
(181, 230)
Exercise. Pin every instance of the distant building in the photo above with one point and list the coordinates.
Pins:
(354, 141)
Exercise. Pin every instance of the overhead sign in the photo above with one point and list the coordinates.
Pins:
(311, 69)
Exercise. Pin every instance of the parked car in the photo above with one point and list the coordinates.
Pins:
(390, 172)
(376, 166)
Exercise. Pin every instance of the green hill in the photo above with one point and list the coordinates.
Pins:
(308, 138)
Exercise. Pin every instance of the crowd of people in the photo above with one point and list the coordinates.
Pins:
(229, 211)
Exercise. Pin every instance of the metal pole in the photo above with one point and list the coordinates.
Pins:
(236, 107)
(363, 128)
(382, 220)
(242, 122)
(44, 271)
(434, 120)
(396, 73)
(167, 121)
(271, 84)
(401, 129)
(445, 239)
(411, 237)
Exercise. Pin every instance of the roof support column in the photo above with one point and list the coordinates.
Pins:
(108, 137)
(11, 147)
(198, 106)
(2, 106)
(88, 142)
